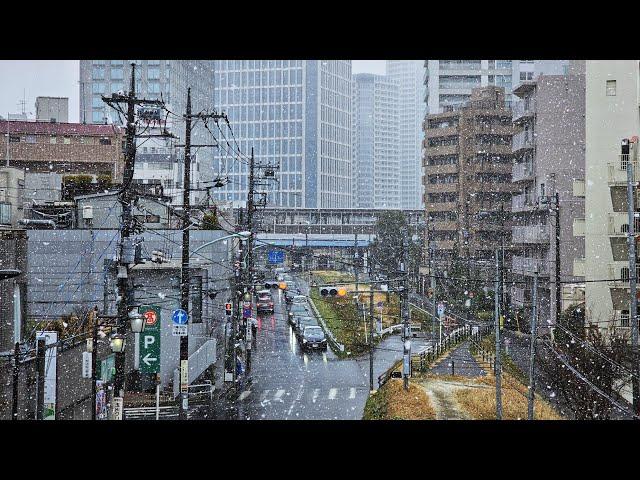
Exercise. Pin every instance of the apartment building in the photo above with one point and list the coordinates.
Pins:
(376, 140)
(548, 155)
(52, 109)
(467, 181)
(612, 117)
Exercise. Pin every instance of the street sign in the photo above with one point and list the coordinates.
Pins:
(86, 364)
(275, 256)
(440, 309)
(51, 373)
(117, 408)
(179, 331)
(246, 312)
(184, 376)
(149, 343)
(108, 368)
(180, 317)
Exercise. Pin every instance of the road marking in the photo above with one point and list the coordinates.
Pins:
(316, 392)
(278, 396)
(264, 395)
(244, 395)
(352, 393)
(298, 397)
(332, 393)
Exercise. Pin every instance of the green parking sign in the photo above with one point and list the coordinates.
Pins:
(150, 340)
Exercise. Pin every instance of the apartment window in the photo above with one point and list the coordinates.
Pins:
(97, 116)
(98, 73)
(117, 74)
(67, 140)
(624, 317)
(153, 74)
(105, 141)
(31, 139)
(98, 87)
(611, 88)
(14, 138)
(53, 139)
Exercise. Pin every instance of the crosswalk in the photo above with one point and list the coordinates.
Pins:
(266, 397)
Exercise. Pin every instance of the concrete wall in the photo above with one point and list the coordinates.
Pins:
(609, 119)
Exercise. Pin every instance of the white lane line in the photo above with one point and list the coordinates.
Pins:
(316, 392)
(298, 397)
(332, 393)
(264, 395)
(352, 393)
(244, 395)
(278, 396)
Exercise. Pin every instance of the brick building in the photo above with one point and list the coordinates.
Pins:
(467, 181)
(67, 148)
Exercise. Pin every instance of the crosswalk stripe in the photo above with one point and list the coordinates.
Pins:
(316, 392)
(352, 393)
(264, 395)
(332, 393)
(278, 395)
(244, 395)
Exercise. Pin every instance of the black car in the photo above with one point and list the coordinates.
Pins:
(313, 338)
(289, 294)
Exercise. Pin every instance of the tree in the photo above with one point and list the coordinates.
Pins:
(386, 249)
(591, 354)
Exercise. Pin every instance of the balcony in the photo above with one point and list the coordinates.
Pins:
(531, 234)
(523, 202)
(441, 187)
(617, 171)
(528, 265)
(520, 296)
(522, 172)
(619, 274)
(432, 132)
(494, 129)
(440, 149)
(522, 141)
(618, 224)
(445, 244)
(523, 110)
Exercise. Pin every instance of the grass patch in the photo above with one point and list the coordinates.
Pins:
(392, 402)
(480, 403)
(331, 276)
(508, 365)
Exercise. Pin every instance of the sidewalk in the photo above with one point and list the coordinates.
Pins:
(458, 362)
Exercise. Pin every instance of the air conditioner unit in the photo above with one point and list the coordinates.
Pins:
(87, 212)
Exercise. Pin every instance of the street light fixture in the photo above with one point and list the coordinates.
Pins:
(117, 343)
(137, 321)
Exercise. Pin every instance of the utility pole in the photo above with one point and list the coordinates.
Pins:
(371, 338)
(404, 310)
(498, 362)
(633, 278)
(94, 360)
(532, 346)
(185, 280)
(126, 253)
(40, 369)
(557, 274)
(16, 379)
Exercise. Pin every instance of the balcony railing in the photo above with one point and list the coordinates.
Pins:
(619, 274)
(523, 109)
(619, 224)
(529, 265)
(618, 170)
(531, 234)
(523, 140)
(522, 171)
(523, 202)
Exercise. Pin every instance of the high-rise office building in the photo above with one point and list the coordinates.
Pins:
(376, 161)
(409, 74)
(159, 158)
(449, 82)
(295, 114)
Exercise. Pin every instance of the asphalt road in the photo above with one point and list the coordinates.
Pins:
(287, 384)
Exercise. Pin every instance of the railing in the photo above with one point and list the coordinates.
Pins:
(529, 265)
(523, 202)
(619, 224)
(617, 171)
(522, 171)
(531, 234)
(619, 274)
(524, 108)
(523, 140)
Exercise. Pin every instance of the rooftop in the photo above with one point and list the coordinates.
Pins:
(55, 128)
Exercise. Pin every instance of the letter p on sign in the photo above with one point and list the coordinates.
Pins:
(149, 340)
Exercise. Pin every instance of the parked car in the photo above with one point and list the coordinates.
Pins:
(313, 338)
(264, 302)
(297, 309)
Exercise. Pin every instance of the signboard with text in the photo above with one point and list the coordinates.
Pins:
(150, 340)
(275, 256)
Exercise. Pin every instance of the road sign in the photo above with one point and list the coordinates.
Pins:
(184, 376)
(180, 317)
(275, 256)
(116, 412)
(86, 364)
(440, 309)
(179, 331)
(107, 368)
(149, 343)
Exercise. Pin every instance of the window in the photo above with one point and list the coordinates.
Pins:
(97, 116)
(31, 139)
(611, 88)
(67, 140)
(98, 87)
(98, 73)
(153, 74)
(117, 74)
(105, 141)
(96, 102)
(14, 138)
(53, 139)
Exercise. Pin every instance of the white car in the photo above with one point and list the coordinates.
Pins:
(299, 299)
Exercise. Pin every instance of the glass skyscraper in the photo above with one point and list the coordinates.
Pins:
(295, 114)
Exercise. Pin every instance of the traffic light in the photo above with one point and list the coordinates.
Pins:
(329, 291)
(227, 308)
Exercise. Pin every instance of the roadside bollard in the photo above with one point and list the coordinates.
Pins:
(453, 367)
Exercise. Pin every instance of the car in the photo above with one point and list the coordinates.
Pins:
(264, 302)
(299, 299)
(313, 337)
(289, 294)
(297, 310)
(302, 321)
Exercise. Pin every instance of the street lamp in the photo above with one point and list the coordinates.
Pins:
(137, 321)
(117, 343)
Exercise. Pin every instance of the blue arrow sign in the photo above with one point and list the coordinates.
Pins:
(180, 317)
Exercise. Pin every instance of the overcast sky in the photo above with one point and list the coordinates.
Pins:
(28, 79)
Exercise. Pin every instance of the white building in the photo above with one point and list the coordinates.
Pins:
(295, 114)
(409, 74)
(376, 166)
